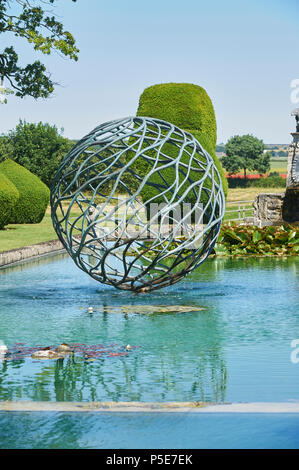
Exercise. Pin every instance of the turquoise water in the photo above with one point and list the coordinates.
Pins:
(236, 349)
(148, 431)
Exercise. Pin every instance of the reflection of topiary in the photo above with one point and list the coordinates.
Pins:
(187, 106)
(9, 196)
(34, 195)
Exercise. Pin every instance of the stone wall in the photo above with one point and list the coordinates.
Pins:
(268, 209)
(32, 251)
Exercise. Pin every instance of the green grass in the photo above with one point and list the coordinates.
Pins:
(235, 214)
(279, 164)
(17, 236)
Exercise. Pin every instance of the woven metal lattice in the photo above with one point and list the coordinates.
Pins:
(137, 203)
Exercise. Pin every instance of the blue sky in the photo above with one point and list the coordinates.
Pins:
(243, 52)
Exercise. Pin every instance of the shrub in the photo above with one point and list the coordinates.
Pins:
(34, 195)
(274, 180)
(9, 196)
(185, 105)
(189, 107)
(207, 145)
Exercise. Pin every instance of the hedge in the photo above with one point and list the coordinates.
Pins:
(189, 107)
(273, 180)
(204, 141)
(185, 105)
(34, 195)
(9, 196)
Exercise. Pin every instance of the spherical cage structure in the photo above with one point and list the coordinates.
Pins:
(137, 203)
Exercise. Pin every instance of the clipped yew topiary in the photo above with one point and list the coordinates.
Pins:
(185, 105)
(9, 196)
(189, 107)
(34, 195)
(204, 141)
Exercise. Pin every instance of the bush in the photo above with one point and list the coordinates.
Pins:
(274, 180)
(189, 107)
(9, 196)
(204, 141)
(34, 195)
(185, 105)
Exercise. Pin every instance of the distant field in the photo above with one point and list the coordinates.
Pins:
(279, 164)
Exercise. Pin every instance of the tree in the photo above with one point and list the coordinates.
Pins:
(38, 147)
(6, 148)
(26, 19)
(246, 152)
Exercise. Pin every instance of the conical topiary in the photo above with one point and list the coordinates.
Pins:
(34, 195)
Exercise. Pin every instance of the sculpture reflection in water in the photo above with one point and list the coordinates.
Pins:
(180, 372)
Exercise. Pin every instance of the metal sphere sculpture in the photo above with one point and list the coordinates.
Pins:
(137, 203)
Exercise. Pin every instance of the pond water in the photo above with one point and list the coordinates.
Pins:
(148, 431)
(237, 348)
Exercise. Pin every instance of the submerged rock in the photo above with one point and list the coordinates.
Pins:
(64, 347)
(46, 354)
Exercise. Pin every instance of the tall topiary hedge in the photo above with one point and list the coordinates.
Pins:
(9, 196)
(185, 105)
(189, 107)
(34, 195)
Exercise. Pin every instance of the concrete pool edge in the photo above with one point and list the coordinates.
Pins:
(30, 252)
(133, 407)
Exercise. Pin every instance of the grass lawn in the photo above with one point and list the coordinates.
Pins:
(247, 194)
(17, 236)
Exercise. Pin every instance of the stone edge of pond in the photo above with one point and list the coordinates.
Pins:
(18, 255)
(133, 407)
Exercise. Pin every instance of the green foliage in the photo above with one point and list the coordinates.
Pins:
(244, 240)
(6, 148)
(34, 195)
(189, 107)
(207, 145)
(273, 180)
(186, 105)
(246, 153)
(37, 147)
(45, 33)
(9, 196)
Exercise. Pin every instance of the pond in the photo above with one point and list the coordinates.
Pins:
(234, 345)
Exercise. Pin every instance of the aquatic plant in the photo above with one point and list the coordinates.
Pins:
(244, 240)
